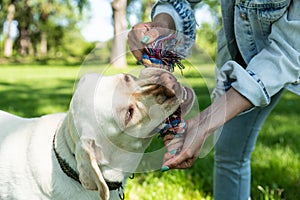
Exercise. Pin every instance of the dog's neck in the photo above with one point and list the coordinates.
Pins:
(64, 147)
(64, 144)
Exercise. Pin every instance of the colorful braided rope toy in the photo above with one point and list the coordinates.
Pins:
(158, 54)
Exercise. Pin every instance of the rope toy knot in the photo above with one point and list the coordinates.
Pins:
(173, 125)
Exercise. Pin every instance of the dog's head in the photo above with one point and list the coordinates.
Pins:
(115, 118)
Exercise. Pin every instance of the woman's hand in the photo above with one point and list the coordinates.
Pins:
(204, 124)
(193, 141)
(145, 33)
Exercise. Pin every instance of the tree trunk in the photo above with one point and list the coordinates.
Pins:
(118, 55)
(44, 44)
(147, 10)
(24, 26)
(24, 41)
(8, 44)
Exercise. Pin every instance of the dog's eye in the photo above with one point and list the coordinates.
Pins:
(129, 115)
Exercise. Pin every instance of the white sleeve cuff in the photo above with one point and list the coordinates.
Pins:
(245, 82)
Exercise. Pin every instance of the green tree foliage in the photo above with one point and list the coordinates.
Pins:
(207, 40)
(207, 33)
(43, 24)
(145, 6)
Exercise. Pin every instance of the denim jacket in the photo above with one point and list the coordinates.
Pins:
(259, 48)
(185, 23)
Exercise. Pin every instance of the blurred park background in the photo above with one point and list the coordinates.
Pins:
(45, 45)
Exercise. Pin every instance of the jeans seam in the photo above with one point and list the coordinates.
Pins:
(244, 150)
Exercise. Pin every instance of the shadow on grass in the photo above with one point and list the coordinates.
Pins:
(277, 178)
(28, 100)
(281, 129)
(276, 159)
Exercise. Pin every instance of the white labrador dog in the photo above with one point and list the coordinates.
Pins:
(90, 151)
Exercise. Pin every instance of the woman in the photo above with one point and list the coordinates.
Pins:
(258, 56)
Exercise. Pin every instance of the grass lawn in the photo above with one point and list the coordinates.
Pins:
(32, 91)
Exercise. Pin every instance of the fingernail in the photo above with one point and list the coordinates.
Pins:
(173, 152)
(164, 168)
(145, 39)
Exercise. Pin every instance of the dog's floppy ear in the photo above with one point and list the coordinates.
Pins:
(90, 175)
(84, 124)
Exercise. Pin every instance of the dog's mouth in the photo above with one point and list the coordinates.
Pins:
(160, 92)
(160, 84)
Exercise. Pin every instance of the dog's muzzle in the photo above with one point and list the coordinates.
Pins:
(161, 84)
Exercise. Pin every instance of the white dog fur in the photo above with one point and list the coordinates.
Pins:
(102, 137)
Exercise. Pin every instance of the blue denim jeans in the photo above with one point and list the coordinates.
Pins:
(232, 170)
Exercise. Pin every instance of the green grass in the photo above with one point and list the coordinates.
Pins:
(32, 91)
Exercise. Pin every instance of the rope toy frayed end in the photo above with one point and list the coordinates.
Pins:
(159, 55)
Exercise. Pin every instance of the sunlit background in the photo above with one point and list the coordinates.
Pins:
(70, 29)
(99, 27)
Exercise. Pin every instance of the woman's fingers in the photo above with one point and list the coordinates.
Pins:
(134, 39)
(143, 34)
(134, 47)
(193, 142)
(182, 161)
(150, 36)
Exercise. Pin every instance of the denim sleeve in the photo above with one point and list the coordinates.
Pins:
(276, 66)
(183, 16)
